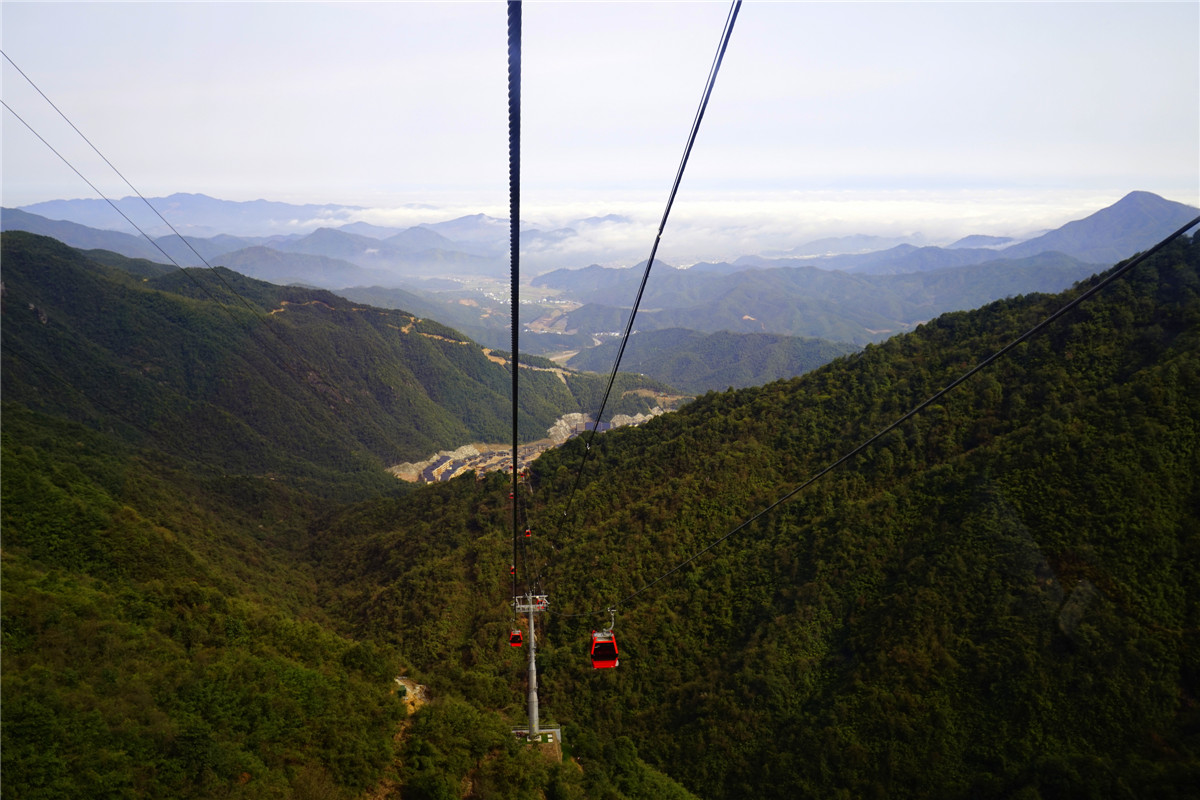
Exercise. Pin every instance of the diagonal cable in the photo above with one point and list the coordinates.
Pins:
(687, 151)
(933, 398)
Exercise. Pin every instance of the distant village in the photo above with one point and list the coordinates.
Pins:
(484, 458)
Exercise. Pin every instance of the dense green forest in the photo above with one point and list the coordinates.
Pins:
(805, 300)
(169, 446)
(252, 377)
(697, 362)
(998, 599)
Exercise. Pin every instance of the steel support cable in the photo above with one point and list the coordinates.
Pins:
(538, 567)
(114, 205)
(983, 364)
(514, 236)
(132, 188)
(730, 19)
(523, 561)
(149, 205)
(533, 566)
(539, 570)
(190, 276)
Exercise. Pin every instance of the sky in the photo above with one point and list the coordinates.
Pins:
(827, 118)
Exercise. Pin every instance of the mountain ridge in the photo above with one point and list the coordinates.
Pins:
(805, 300)
(355, 368)
(995, 599)
(1127, 226)
(999, 598)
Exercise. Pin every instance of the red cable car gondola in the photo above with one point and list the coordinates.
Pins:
(604, 649)
(515, 639)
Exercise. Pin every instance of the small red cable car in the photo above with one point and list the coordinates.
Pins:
(515, 639)
(528, 532)
(604, 650)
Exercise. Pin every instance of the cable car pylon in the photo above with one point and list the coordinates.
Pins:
(531, 604)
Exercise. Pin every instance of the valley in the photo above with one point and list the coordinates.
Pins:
(484, 458)
(867, 467)
(212, 575)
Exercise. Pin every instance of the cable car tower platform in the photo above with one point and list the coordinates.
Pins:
(531, 604)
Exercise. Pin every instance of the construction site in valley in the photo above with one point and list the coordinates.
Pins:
(483, 458)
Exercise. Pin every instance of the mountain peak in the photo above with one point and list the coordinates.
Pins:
(1139, 195)
(1135, 222)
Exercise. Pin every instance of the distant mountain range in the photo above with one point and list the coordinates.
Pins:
(196, 214)
(802, 300)
(347, 258)
(855, 243)
(852, 290)
(862, 297)
(477, 245)
(1133, 223)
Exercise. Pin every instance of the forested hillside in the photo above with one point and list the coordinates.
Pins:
(998, 599)
(803, 300)
(697, 362)
(169, 449)
(251, 377)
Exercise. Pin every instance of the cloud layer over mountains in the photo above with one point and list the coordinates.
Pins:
(438, 241)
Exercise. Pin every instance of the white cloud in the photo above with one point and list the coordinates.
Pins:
(828, 118)
(720, 226)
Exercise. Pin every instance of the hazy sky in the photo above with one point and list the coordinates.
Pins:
(827, 118)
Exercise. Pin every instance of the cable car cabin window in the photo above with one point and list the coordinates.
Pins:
(604, 651)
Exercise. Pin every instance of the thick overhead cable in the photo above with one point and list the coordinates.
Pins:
(933, 398)
(687, 151)
(514, 241)
(257, 313)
